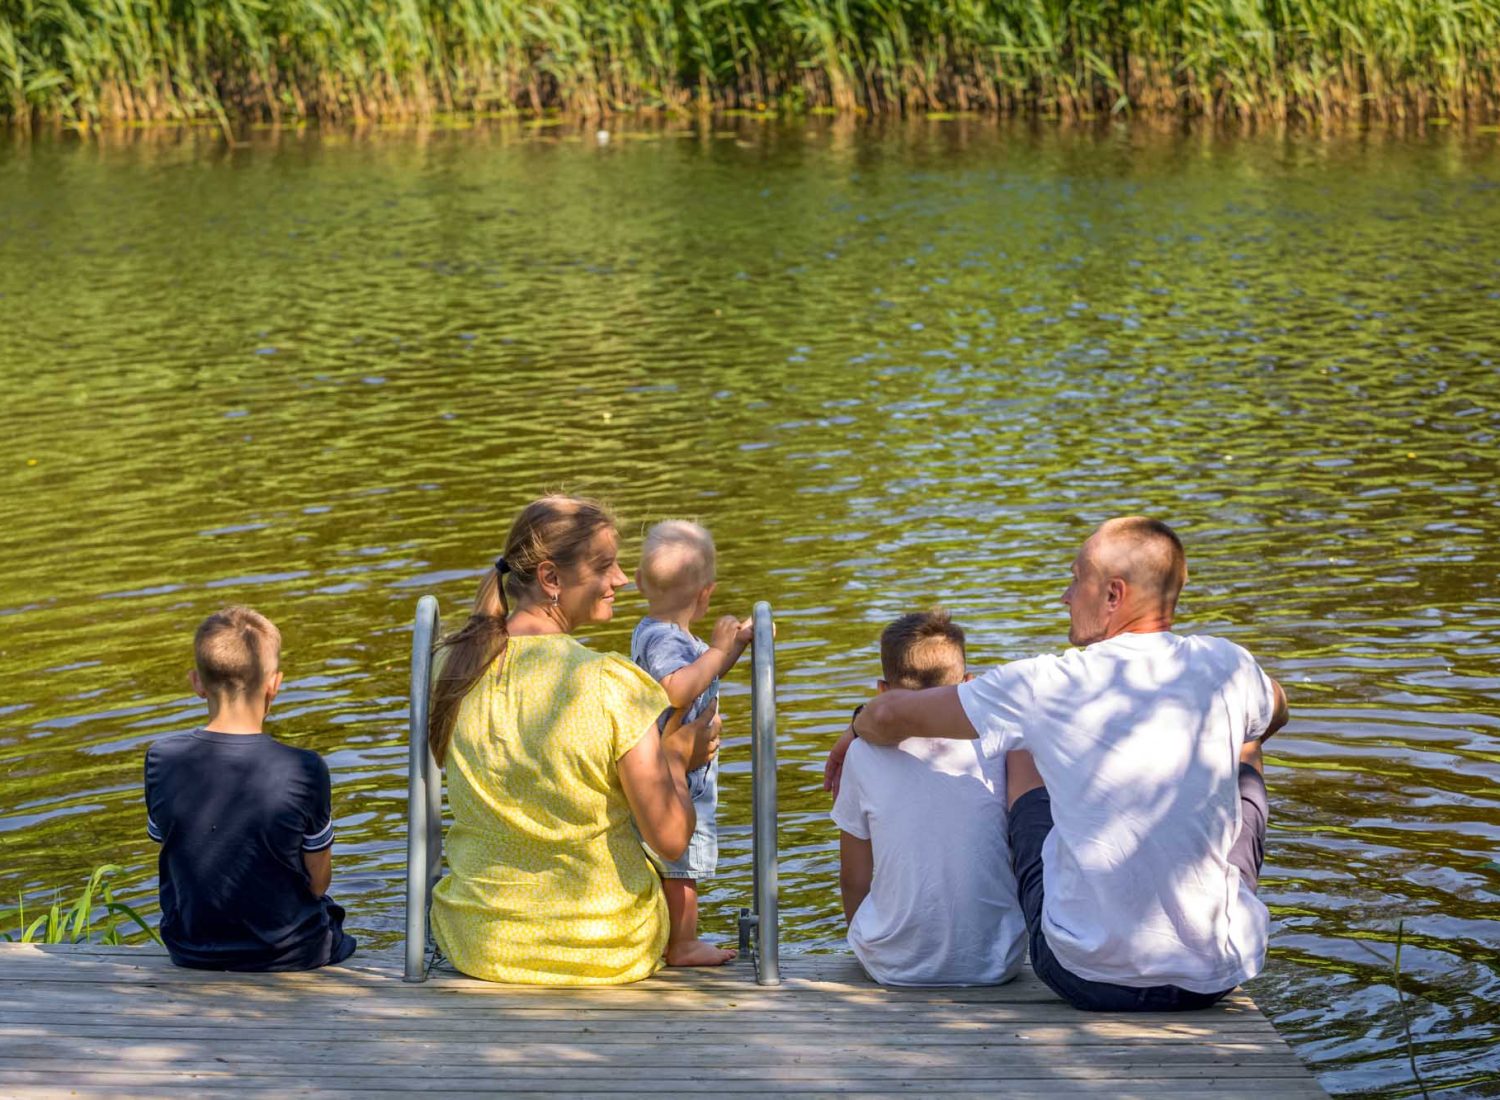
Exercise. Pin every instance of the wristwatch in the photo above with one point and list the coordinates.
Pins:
(852, 718)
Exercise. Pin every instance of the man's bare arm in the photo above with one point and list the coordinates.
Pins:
(893, 716)
(856, 871)
(1279, 712)
(897, 714)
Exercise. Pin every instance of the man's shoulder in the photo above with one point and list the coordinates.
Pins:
(1219, 649)
(1037, 664)
(1029, 670)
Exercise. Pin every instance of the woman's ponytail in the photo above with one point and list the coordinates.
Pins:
(556, 529)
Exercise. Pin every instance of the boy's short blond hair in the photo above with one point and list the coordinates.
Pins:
(677, 557)
(236, 651)
(922, 650)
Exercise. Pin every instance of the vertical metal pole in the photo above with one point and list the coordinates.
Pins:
(434, 802)
(763, 774)
(424, 834)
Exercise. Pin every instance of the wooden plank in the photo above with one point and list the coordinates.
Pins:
(800, 972)
(658, 1057)
(105, 1021)
(436, 1006)
(152, 1024)
(791, 996)
(475, 1017)
(45, 1086)
(660, 1064)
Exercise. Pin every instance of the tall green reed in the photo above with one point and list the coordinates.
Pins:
(63, 923)
(83, 62)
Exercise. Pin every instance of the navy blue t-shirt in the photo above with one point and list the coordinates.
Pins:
(233, 813)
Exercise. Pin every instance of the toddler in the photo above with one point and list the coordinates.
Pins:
(677, 578)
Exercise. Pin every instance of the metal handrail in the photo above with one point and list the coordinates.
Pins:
(767, 919)
(424, 800)
(424, 795)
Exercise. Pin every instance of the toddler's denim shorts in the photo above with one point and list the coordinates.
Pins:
(702, 855)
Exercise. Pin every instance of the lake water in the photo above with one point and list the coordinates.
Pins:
(320, 373)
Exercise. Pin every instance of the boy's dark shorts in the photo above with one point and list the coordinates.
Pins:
(329, 947)
(1031, 821)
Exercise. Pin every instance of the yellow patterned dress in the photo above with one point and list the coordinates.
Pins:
(547, 883)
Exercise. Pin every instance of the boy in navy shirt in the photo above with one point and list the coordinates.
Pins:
(244, 822)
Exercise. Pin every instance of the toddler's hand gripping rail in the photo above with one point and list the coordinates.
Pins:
(759, 930)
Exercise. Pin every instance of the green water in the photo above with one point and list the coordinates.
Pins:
(319, 374)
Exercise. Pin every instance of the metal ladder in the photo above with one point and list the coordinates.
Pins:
(759, 926)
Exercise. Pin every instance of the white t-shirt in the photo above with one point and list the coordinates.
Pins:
(942, 906)
(1138, 740)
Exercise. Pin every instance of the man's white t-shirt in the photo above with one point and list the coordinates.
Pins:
(1138, 739)
(942, 907)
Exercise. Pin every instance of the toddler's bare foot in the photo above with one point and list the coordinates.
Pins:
(698, 953)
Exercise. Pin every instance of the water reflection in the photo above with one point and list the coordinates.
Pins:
(320, 373)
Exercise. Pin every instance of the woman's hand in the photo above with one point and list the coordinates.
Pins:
(706, 730)
(693, 743)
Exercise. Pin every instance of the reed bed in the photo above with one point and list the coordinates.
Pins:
(85, 62)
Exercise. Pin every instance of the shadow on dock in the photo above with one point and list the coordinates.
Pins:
(95, 1021)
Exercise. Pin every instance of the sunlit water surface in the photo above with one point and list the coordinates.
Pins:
(319, 374)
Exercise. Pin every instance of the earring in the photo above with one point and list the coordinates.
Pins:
(554, 599)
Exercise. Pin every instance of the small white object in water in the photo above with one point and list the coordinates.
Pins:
(602, 137)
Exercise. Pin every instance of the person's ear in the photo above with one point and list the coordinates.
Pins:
(881, 687)
(968, 676)
(197, 684)
(548, 579)
(273, 687)
(1115, 595)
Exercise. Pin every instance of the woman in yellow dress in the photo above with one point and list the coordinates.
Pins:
(556, 769)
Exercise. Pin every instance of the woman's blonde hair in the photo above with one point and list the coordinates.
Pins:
(556, 529)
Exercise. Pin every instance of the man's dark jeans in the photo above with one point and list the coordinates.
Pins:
(1031, 821)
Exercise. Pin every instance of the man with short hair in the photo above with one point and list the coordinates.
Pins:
(1137, 803)
(924, 867)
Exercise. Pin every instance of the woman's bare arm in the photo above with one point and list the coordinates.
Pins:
(654, 775)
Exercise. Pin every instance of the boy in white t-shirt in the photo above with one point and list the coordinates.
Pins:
(925, 867)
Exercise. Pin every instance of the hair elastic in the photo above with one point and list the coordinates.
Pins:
(502, 566)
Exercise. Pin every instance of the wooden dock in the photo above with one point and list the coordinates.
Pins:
(100, 1021)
